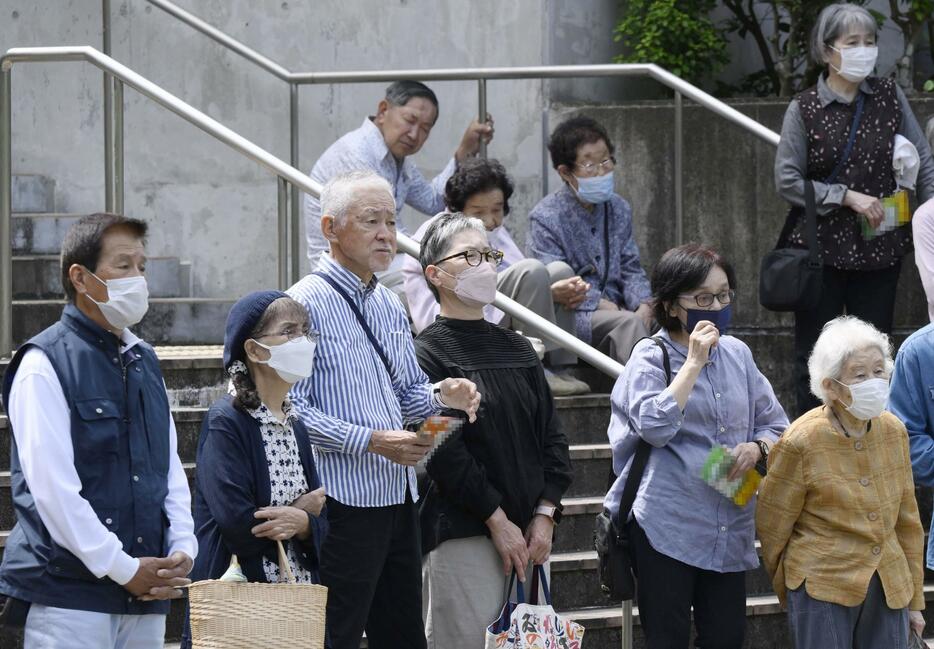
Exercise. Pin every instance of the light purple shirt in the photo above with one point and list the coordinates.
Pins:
(423, 307)
(922, 226)
(731, 402)
(366, 149)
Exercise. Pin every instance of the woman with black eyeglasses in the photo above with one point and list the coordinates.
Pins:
(496, 485)
(690, 544)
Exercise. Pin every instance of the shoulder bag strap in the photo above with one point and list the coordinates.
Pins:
(363, 324)
(641, 457)
(850, 141)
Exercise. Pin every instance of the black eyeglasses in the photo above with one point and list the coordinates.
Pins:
(706, 299)
(475, 257)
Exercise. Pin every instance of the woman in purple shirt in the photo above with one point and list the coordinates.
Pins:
(691, 545)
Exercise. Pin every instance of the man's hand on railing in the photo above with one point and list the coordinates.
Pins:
(470, 143)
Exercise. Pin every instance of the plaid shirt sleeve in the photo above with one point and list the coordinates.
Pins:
(781, 499)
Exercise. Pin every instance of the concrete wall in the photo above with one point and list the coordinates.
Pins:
(206, 204)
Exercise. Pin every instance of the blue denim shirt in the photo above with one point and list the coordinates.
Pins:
(731, 402)
(912, 400)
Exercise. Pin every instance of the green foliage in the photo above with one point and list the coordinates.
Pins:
(675, 34)
(928, 86)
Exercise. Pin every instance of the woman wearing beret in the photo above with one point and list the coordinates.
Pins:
(257, 482)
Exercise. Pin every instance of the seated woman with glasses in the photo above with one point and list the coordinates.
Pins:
(257, 481)
(495, 485)
(691, 546)
(588, 226)
(481, 188)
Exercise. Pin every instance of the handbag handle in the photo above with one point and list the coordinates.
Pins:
(284, 567)
(538, 576)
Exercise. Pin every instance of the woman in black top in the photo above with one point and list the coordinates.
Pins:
(496, 484)
(862, 255)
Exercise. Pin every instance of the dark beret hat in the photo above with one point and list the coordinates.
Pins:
(241, 321)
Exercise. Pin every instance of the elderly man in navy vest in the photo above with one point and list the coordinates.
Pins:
(104, 533)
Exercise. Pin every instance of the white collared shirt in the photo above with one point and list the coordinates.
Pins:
(365, 149)
(41, 422)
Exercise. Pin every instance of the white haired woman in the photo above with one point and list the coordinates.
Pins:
(861, 259)
(837, 517)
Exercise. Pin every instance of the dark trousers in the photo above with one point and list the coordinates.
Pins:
(371, 562)
(668, 588)
(867, 294)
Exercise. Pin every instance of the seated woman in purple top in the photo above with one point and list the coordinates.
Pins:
(588, 226)
(691, 545)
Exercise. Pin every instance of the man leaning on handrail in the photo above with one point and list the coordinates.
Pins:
(384, 144)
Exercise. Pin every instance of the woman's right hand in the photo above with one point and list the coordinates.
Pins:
(704, 337)
(282, 523)
(509, 543)
(868, 206)
(312, 501)
(569, 293)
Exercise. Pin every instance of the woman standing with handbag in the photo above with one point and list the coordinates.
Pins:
(840, 134)
(690, 546)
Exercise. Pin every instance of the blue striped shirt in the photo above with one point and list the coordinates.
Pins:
(349, 394)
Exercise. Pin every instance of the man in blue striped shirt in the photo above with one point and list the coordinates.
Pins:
(366, 385)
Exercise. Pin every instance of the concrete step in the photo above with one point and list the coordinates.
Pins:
(170, 321)
(33, 193)
(41, 233)
(39, 277)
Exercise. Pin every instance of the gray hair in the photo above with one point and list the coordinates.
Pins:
(838, 341)
(340, 192)
(838, 20)
(437, 239)
(399, 93)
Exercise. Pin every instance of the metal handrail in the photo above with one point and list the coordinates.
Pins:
(284, 171)
(681, 88)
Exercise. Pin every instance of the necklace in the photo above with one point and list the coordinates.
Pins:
(842, 427)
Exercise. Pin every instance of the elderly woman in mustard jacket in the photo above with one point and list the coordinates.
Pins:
(837, 516)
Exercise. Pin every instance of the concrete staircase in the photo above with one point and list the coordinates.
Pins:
(38, 229)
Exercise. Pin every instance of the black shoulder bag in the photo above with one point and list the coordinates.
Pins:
(614, 564)
(790, 279)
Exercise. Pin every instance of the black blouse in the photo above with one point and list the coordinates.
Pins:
(513, 456)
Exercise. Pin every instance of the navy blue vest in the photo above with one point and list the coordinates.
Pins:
(120, 432)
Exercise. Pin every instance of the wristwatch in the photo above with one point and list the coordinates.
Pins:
(763, 463)
(554, 513)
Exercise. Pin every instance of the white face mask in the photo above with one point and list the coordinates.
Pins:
(127, 300)
(856, 63)
(292, 360)
(476, 285)
(869, 398)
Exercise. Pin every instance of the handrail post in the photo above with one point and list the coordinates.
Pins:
(481, 96)
(679, 175)
(6, 215)
(546, 156)
(118, 147)
(294, 139)
(108, 116)
(625, 631)
(283, 231)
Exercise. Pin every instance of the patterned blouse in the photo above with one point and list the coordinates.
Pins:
(561, 229)
(286, 478)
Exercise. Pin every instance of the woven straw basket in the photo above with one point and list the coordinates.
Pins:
(236, 615)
